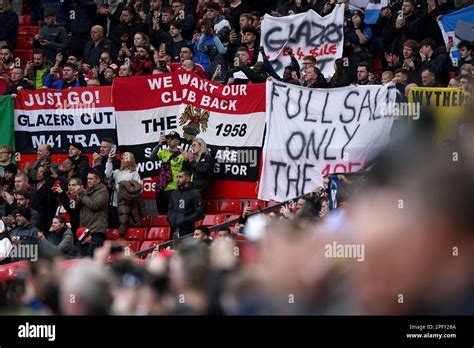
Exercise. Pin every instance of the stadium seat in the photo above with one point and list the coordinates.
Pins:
(158, 221)
(240, 237)
(378, 69)
(272, 203)
(24, 43)
(113, 234)
(23, 55)
(150, 244)
(28, 30)
(135, 234)
(230, 206)
(162, 233)
(145, 222)
(211, 220)
(198, 224)
(255, 204)
(132, 245)
(210, 207)
(24, 20)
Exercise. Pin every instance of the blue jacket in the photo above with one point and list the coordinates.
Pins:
(59, 84)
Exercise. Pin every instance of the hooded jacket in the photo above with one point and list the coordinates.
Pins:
(185, 208)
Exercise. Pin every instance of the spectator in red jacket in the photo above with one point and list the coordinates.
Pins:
(141, 63)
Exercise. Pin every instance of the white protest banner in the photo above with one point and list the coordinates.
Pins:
(314, 132)
(307, 34)
(229, 118)
(46, 116)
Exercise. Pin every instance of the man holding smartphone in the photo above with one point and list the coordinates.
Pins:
(52, 36)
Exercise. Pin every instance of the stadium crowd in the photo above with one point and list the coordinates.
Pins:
(65, 208)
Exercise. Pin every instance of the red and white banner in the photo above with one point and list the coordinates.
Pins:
(230, 119)
(46, 116)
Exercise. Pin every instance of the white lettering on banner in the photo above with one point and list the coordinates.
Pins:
(57, 99)
(306, 34)
(64, 120)
(307, 140)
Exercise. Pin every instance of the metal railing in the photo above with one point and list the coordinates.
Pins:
(176, 241)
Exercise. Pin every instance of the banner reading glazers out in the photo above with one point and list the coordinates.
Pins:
(46, 116)
(230, 119)
(307, 34)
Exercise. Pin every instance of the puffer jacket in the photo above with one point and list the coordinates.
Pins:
(131, 208)
(93, 204)
(202, 171)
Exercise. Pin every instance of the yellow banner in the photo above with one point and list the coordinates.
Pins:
(446, 104)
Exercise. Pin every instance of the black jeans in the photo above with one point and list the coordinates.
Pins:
(162, 201)
(98, 240)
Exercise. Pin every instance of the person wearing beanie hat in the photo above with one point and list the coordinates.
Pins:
(24, 234)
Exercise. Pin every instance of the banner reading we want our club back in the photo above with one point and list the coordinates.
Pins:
(230, 119)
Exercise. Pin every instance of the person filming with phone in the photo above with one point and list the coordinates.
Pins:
(52, 36)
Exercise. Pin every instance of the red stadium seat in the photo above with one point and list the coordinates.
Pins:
(24, 43)
(230, 206)
(272, 203)
(24, 20)
(23, 55)
(210, 207)
(113, 234)
(241, 237)
(255, 204)
(378, 69)
(162, 233)
(132, 245)
(198, 224)
(28, 30)
(211, 220)
(160, 220)
(150, 244)
(135, 234)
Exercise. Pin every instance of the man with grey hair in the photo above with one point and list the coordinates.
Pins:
(85, 289)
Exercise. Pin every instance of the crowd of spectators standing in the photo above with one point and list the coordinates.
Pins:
(93, 42)
(88, 43)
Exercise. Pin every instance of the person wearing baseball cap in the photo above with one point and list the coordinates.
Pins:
(171, 157)
(24, 233)
(75, 151)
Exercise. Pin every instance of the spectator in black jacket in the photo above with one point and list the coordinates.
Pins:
(8, 24)
(403, 26)
(109, 15)
(52, 37)
(68, 202)
(188, 22)
(24, 234)
(356, 54)
(100, 158)
(18, 82)
(22, 199)
(435, 60)
(75, 153)
(201, 164)
(82, 14)
(409, 61)
(124, 33)
(95, 47)
(313, 78)
(185, 207)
